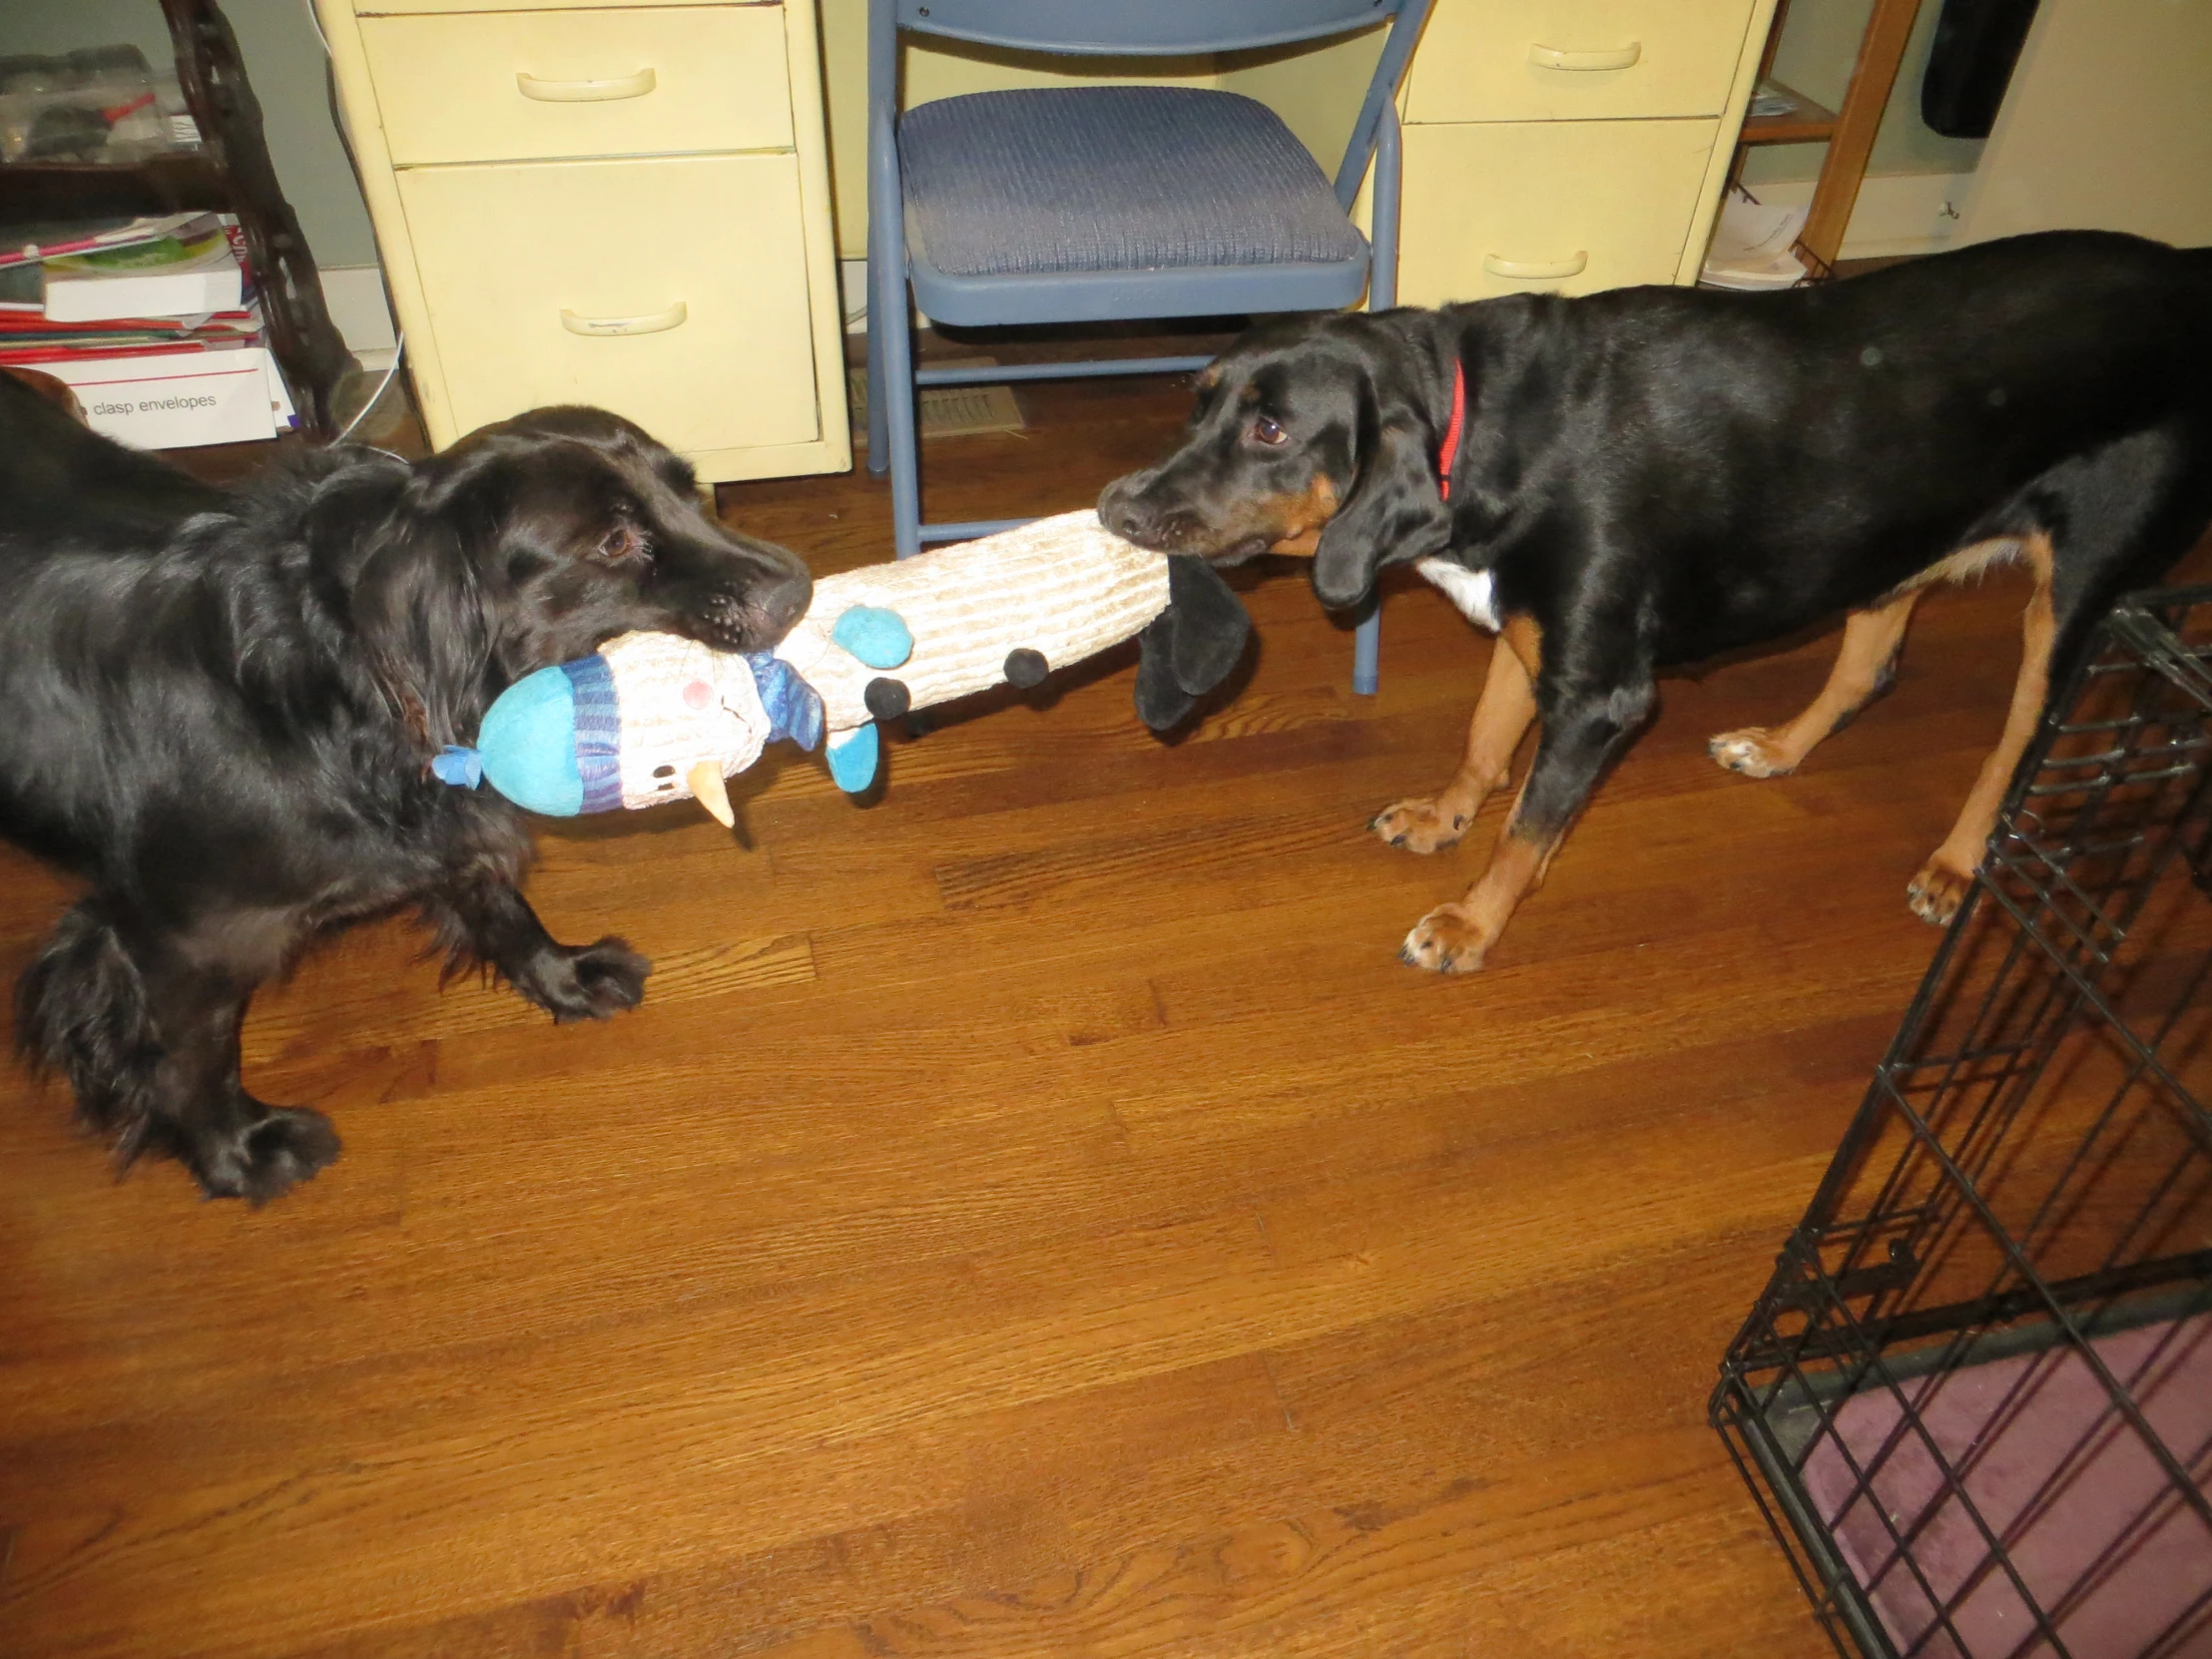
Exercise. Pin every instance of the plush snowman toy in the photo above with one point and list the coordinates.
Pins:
(650, 717)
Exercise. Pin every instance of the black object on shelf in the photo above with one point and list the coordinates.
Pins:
(1974, 1403)
(230, 173)
(1969, 64)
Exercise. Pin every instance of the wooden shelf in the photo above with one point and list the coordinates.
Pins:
(67, 189)
(232, 173)
(1807, 122)
(1848, 132)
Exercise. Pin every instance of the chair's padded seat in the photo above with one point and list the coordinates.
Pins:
(1105, 178)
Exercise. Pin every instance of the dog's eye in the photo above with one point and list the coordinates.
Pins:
(621, 543)
(1267, 432)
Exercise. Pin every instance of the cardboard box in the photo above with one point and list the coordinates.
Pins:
(181, 400)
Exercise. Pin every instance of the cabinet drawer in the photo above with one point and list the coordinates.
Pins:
(1564, 60)
(699, 261)
(487, 87)
(380, 8)
(1568, 205)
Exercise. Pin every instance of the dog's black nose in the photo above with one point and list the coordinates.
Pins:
(785, 601)
(1122, 512)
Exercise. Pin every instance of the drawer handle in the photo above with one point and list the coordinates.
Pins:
(658, 323)
(1536, 269)
(1551, 57)
(586, 92)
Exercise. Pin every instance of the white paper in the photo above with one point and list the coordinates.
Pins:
(1751, 246)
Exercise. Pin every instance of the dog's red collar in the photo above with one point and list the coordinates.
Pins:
(1450, 451)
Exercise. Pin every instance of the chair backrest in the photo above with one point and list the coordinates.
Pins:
(1157, 28)
(1140, 27)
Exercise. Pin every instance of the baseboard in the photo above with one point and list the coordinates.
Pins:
(354, 297)
(1896, 213)
(853, 294)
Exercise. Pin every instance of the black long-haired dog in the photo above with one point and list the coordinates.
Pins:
(220, 710)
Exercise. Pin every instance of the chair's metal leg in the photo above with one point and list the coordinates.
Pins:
(883, 274)
(878, 431)
(1382, 268)
(1367, 643)
(888, 313)
(902, 440)
(879, 444)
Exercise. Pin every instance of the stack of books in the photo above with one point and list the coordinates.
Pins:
(152, 322)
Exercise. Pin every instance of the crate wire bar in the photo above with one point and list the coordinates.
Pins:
(1974, 1403)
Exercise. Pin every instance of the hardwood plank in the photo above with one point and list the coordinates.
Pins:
(719, 1386)
(1033, 1211)
(1418, 1430)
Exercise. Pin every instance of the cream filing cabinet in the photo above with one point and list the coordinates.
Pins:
(1570, 144)
(620, 204)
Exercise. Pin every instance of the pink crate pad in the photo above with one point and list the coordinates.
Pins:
(2009, 1427)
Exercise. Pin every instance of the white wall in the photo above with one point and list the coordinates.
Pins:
(1820, 42)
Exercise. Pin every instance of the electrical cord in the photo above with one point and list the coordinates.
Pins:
(398, 353)
(346, 143)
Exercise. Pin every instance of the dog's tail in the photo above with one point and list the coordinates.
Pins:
(80, 1009)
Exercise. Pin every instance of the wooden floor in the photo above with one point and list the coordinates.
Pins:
(1034, 1213)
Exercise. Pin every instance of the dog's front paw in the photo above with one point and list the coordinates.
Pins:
(1752, 751)
(1422, 825)
(592, 981)
(1935, 893)
(267, 1158)
(1447, 940)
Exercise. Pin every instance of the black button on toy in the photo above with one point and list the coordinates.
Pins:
(1026, 668)
(886, 699)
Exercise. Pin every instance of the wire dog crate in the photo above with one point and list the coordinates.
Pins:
(1975, 1399)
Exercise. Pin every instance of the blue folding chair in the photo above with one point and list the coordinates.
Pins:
(1098, 204)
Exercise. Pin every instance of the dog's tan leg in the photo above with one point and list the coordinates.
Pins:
(1584, 730)
(1501, 717)
(1455, 938)
(1863, 671)
(1941, 886)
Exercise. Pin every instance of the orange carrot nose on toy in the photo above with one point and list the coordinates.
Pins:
(653, 717)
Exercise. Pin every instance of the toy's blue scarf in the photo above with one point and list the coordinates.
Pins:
(794, 710)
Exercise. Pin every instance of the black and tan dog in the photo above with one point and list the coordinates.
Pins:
(1650, 476)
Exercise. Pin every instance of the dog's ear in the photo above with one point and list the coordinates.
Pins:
(1190, 646)
(418, 608)
(1395, 514)
(397, 570)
